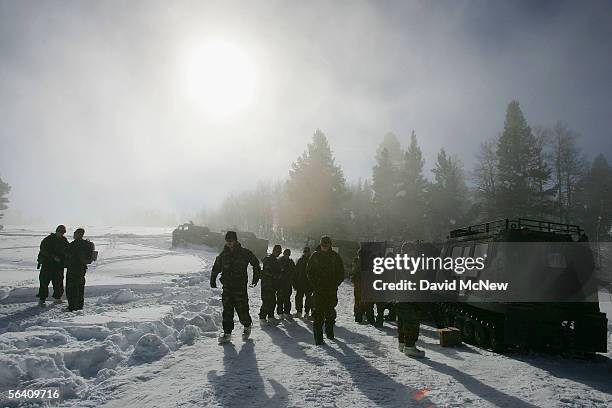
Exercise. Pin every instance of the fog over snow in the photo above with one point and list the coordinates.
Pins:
(101, 114)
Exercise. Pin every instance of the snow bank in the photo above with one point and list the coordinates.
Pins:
(149, 348)
(123, 296)
(189, 334)
(88, 361)
(34, 337)
(5, 291)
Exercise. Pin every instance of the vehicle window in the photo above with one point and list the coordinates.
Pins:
(481, 250)
(466, 251)
(457, 252)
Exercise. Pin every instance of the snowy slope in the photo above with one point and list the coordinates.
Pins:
(146, 339)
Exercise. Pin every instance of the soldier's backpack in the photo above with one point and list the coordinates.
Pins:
(92, 254)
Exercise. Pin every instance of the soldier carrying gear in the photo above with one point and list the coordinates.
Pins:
(270, 278)
(325, 272)
(232, 264)
(52, 257)
(283, 307)
(303, 288)
(79, 254)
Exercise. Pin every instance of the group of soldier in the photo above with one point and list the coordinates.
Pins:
(315, 279)
(57, 254)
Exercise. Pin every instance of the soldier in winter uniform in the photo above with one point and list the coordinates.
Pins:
(51, 259)
(270, 278)
(325, 272)
(232, 264)
(285, 284)
(79, 254)
(303, 289)
(408, 324)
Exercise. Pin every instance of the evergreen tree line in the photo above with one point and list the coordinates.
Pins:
(540, 173)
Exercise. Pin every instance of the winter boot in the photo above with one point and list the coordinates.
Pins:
(329, 331)
(225, 338)
(41, 303)
(318, 334)
(401, 346)
(412, 351)
(358, 318)
(246, 333)
(57, 301)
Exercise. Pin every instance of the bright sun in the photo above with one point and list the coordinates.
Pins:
(220, 78)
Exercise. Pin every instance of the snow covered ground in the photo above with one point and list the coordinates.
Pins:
(147, 339)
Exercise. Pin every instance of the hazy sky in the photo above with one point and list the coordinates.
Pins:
(97, 117)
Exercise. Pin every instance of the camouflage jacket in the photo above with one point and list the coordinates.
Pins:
(325, 271)
(50, 247)
(300, 282)
(232, 265)
(271, 268)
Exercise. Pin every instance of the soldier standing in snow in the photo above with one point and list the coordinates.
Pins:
(79, 254)
(303, 289)
(270, 278)
(51, 258)
(232, 264)
(285, 288)
(325, 272)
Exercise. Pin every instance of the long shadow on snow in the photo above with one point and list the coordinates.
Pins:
(594, 373)
(288, 341)
(381, 389)
(478, 388)
(241, 384)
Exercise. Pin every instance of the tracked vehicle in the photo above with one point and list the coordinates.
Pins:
(190, 233)
(555, 258)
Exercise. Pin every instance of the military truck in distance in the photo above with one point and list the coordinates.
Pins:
(576, 326)
(190, 233)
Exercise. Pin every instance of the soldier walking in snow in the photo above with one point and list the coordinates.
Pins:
(325, 272)
(232, 264)
(270, 278)
(303, 289)
(51, 259)
(286, 284)
(79, 254)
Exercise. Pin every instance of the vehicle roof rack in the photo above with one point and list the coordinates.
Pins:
(520, 223)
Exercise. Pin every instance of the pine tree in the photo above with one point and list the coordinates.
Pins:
(391, 143)
(594, 200)
(384, 185)
(316, 191)
(411, 192)
(361, 211)
(4, 190)
(485, 180)
(568, 164)
(522, 171)
(448, 196)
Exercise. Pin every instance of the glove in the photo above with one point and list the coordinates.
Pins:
(213, 281)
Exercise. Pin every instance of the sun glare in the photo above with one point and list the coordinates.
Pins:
(220, 78)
